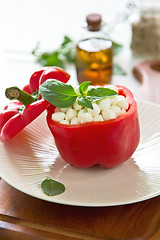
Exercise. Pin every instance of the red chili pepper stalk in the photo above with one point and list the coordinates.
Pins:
(12, 121)
(107, 143)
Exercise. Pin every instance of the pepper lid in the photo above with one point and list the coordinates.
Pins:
(94, 22)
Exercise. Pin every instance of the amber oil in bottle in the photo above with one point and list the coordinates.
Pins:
(94, 54)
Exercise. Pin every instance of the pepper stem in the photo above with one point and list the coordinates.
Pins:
(20, 95)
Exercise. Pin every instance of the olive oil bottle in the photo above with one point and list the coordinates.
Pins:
(94, 54)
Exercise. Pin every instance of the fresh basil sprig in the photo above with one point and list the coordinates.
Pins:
(99, 93)
(85, 102)
(59, 57)
(63, 95)
(51, 187)
(57, 93)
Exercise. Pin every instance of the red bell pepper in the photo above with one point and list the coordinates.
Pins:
(11, 120)
(9, 111)
(19, 121)
(46, 73)
(107, 143)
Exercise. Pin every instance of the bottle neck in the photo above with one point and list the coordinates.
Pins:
(87, 34)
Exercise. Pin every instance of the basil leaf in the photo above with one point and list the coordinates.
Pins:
(100, 93)
(66, 40)
(50, 59)
(83, 87)
(58, 57)
(85, 102)
(118, 70)
(51, 187)
(57, 93)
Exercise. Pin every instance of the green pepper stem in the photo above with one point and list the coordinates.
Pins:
(20, 95)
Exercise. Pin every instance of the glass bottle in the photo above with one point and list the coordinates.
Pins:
(94, 54)
(146, 29)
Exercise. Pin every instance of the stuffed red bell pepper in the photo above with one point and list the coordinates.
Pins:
(18, 114)
(105, 142)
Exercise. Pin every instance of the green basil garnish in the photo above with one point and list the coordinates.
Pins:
(51, 187)
(83, 87)
(57, 93)
(63, 95)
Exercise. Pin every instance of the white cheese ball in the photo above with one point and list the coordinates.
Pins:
(114, 100)
(113, 87)
(117, 110)
(75, 121)
(58, 116)
(65, 122)
(95, 111)
(64, 109)
(98, 118)
(82, 112)
(122, 102)
(104, 104)
(86, 117)
(76, 106)
(71, 113)
(123, 111)
(108, 114)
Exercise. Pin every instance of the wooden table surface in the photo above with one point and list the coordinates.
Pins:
(25, 217)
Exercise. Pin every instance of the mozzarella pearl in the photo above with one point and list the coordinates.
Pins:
(123, 111)
(98, 118)
(75, 121)
(108, 114)
(104, 103)
(64, 109)
(82, 112)
(114, 100)
(58, 116)
(71, 113)
(123, 103)
(76, 106)
(95, 111)
(84, 118)
(65, 122)
(117, 110)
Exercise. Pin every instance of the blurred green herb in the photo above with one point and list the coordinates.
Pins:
(117, 70)
(60, 57)
(66, 54)
(117, 48)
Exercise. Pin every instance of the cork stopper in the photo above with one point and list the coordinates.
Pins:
(94, 22)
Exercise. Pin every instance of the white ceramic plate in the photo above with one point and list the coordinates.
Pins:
(31, 156)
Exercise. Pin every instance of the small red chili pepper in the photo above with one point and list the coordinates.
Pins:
(107, 143)
(12, 121)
